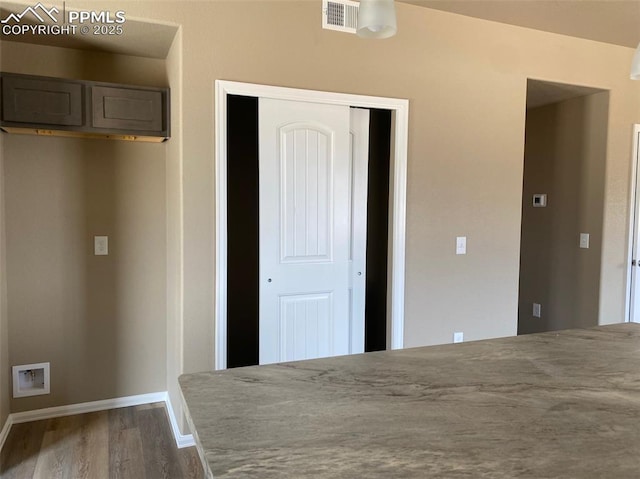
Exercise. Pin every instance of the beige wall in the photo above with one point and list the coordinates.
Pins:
(565, 155)
(99, 320)
(466, 82)
(5, 388)
(175, 293)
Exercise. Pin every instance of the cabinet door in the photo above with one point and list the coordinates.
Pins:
(41, 101)
(127, 109)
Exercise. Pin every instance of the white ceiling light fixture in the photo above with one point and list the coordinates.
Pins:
(376, 19)
(635, 65)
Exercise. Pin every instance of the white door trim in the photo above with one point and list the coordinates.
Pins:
(398, 204)
(359, 120)
(633, 217)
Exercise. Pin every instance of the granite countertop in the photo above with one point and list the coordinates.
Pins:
(553, 405)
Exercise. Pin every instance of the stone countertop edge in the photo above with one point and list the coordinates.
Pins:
(562, 404)
(201, 454)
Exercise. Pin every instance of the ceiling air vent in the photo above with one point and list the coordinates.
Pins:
(340, 15)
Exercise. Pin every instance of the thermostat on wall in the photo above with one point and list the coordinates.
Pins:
(540, 200)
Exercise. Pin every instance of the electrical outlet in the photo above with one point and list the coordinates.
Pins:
(536, 310)
(458, 337)
(539, 200)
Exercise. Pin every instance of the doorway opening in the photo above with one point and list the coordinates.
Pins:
(243, 251)
(237, 298)
(562, 206)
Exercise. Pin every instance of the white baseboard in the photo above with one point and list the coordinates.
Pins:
(182, 440)
(5, 431)
(85, 407)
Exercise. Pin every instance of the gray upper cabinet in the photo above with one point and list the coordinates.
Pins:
(126, 108)
(45, 101)
(54, 106)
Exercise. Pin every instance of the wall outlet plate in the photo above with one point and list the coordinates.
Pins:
(584, 240)
(537, 310)
(458, 337)
(539, 200)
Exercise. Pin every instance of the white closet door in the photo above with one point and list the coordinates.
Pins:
(306, 227)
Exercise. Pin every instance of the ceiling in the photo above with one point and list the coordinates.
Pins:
(144, 39)
(609, 21)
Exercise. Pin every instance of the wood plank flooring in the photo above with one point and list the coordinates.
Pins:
(127, 443)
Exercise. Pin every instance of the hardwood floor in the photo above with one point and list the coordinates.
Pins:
(127, 443)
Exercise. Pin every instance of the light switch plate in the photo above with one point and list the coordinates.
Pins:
(584, 240)
(461, 245)
(101, 245)
(536, 310)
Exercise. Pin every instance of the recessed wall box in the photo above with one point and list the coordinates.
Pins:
(31, 380)
(539, 200)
